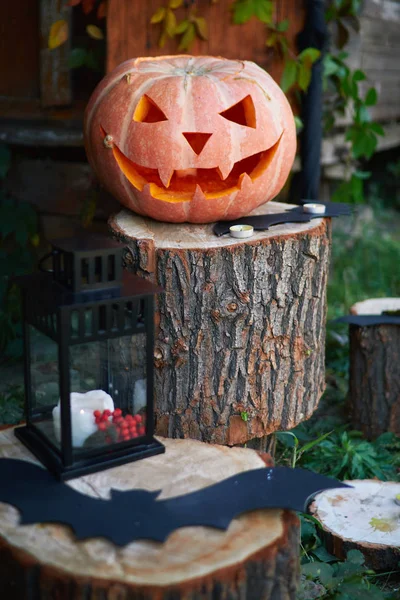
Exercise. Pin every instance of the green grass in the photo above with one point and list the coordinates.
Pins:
(365, 264)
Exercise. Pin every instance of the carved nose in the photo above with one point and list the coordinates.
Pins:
(197, 141)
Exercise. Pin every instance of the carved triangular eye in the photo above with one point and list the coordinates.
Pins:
(242, 113)
(147, 111)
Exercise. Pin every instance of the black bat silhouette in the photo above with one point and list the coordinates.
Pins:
(368, 320)
(42, 499)
(292, 215)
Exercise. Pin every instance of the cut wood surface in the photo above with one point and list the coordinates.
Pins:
(257, 557)
(240, 330)
(375, 306)
(375, 370)
(364, 518)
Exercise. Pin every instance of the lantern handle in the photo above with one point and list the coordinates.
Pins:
(43, 259)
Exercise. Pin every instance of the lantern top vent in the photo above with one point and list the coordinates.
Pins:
(87, 263)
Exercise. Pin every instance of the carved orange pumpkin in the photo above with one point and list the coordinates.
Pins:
(183, 138)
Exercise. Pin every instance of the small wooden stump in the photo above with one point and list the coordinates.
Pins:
(365, 518)
(257, 557)
(240, 339)
(375, 371)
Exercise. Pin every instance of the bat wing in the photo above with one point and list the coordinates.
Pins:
(277, 487)
(42, 499)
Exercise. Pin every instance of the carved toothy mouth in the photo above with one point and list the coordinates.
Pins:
(182, 184)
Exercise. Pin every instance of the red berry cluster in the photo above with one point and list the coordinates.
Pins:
(118, 428)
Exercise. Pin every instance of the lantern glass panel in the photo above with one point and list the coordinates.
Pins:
(45, 387)
(107, 375)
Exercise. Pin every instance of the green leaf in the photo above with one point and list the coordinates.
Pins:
(361, 590)
(289, 75)
(317, 570)
(242, 10)
(362, 115)
(158, 15)
(187, 38)
(330, 65)
(271, 40)
(264, 10)
(322, 554)
(356, 557)
(181, 27)
(175, 4)
(201, 27)
(91, 61)
(313, 443)
(357, 193)
(287, 438)
(283, 44)
(283, 25)
(77, 58)
(371, 97)
(359, 75)
(309, 55)
(376, 128)
(308, 531)
(304, 76)
(170, 23)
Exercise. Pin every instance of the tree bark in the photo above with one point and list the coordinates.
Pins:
(375, 371)
(256, 558)
(240, 339)
(363, 518)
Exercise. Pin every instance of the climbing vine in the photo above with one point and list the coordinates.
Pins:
(343, 94)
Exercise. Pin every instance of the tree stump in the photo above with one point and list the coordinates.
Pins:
(257, 557)
(364, 518)
(240, 330)
(375, 371)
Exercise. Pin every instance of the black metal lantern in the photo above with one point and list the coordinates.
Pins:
(88, 338)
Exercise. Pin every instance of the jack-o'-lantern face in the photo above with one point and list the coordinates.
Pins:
(190, 139)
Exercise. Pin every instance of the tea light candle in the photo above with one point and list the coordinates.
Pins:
(315, 209)
(241, 231)
(82, 420)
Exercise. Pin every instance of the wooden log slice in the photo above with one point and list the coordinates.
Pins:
(364, 518)
(257, 557)
(240, 339)
(374, 382)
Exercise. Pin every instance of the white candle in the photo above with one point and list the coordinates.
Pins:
(82, 419)
(241, 231)
(315, 209)
(139, 395)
